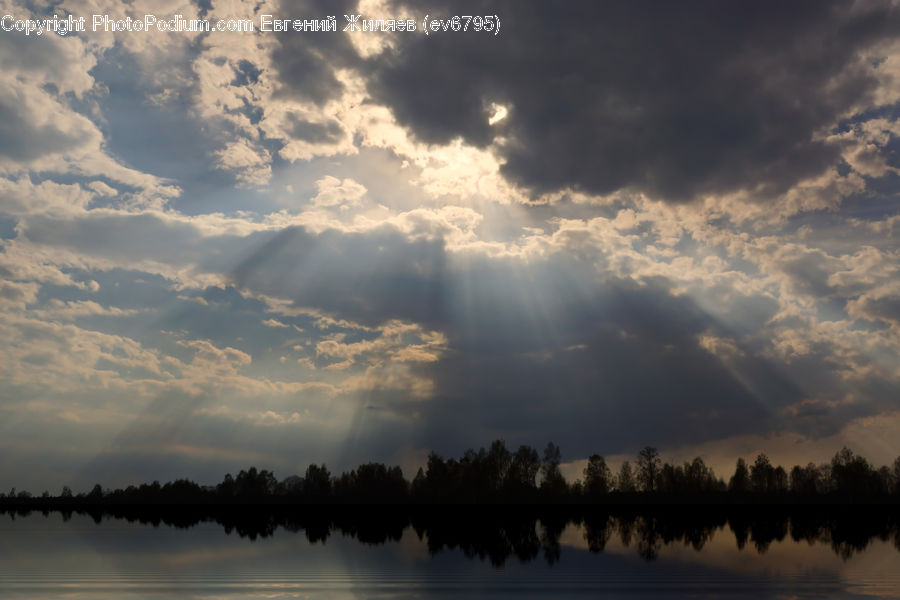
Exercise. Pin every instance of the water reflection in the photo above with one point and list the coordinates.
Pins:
(391, 554)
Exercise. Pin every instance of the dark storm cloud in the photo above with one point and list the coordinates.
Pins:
(674, 98)
(315, 133)
(306, 62)
(600, 369)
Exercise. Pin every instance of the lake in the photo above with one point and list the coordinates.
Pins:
(379, 554)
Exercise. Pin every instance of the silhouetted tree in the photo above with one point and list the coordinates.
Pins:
(439, 480)
(625, 481)
(226, 489)
(495, 475)
(254, 485)
(883, 481)
(182, 491)
(648, 465)
(700, 478)
(740, 481)
(895, 476)
(553, 484)
(523, 469)
(498, 462)
(292, 485)
(824, 485)
(670, 479)
(576, 489)
(851, 475)
(418, 486)
(483, 472)
(804, 480)
(317, 483)
(596, 476)
(761, 474)
(96, 492)
(779, 482)
(372, 482)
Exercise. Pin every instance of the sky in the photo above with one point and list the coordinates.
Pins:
(605, 224)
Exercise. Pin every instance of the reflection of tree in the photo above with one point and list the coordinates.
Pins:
(740, 528)
(597, 531)
(388, 526)
(552, 528)
(626, 529)
(763, 531)
(654, 530)
(491, 535)
(523, 538)
(808, 528)
(697, 535)
(250, 527)
(497, 534)
(648, 539)
(849, 537)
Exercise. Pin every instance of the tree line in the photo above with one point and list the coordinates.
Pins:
(498, 475)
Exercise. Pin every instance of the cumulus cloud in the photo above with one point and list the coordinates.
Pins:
(332, 192)
(44, 125)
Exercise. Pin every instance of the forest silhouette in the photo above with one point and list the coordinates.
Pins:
(497, 475)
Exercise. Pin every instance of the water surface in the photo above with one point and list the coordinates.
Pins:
(382, 556)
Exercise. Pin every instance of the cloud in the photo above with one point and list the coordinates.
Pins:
(306, 63)
(274, 323)
(23, 197)
(36, 128)
(332, 192)
(46, 96)
(252, 165)
(675, 101)
(354, 262)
